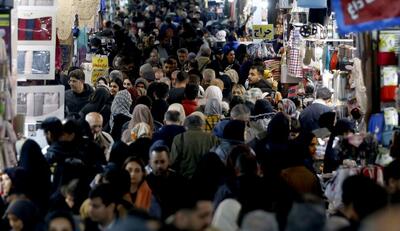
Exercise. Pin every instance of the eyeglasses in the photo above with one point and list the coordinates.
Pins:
(73, 80)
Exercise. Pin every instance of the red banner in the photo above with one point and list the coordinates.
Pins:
(361, 15)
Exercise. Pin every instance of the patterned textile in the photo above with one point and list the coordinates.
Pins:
(294, 61)
(211, 121)
(35, 29)
(121, 105)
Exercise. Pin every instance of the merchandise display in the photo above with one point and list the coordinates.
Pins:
(35, 29)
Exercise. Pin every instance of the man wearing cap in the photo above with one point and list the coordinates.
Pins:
(309, 117)
(78, 96)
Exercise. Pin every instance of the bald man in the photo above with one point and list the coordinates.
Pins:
(102, 138)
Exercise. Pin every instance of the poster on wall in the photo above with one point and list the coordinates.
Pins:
(365, 15)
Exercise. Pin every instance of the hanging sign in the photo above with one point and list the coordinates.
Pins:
(364, 15)
(263, 32)
(100, 67)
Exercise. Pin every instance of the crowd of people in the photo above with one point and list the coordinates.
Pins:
(189, 132)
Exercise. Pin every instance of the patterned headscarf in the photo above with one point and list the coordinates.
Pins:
(121, 105)
(289, 107)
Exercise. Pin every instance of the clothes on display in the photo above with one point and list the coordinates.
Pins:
(35, 29)
(7, 135)
(294, 60)
(33, 62)
(35, 2)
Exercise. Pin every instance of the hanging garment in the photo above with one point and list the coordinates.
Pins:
(333, 61)
(376, 125)
(341, 88)
(358, 80)
(35, 29)
(294, 58)
(8, 137)
(327, 58)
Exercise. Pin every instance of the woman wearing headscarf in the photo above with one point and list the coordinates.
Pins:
(230, 62)
(38, 170)
(98, 102)
(213, 92)
(23, 215)
(289, 108)
(257, 128)
(141, 113)
(272, 150)
(262, 106)
(14, 183)
(120, 113)
(213, 113)
(226, 215)
(141, 140)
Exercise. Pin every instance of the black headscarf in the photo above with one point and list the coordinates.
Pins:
(36, 166)
(19, 181)
(98, 99)
(278, 128)
(262, 106)
(26, 211)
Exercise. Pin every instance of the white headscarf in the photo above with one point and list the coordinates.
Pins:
(179, 108)
(226, 215)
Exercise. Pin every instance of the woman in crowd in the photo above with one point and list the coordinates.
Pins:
(120, 113)
(140, 194)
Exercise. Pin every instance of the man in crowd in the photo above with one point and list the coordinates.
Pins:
(103, 139)
(309, 117)
(172, 127)
(165, 183)
(78, 96)
(182, 57)
(190, 146)
(256, 79)
(102, 207)
(177, 94)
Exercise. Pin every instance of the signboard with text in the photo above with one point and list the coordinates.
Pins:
(365, 15)
(263, 32)
(99, 67)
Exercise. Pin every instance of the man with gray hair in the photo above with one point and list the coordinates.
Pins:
(188, 147)
(309, 117)
(208, 76)
(103, 139)
(238, 112)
